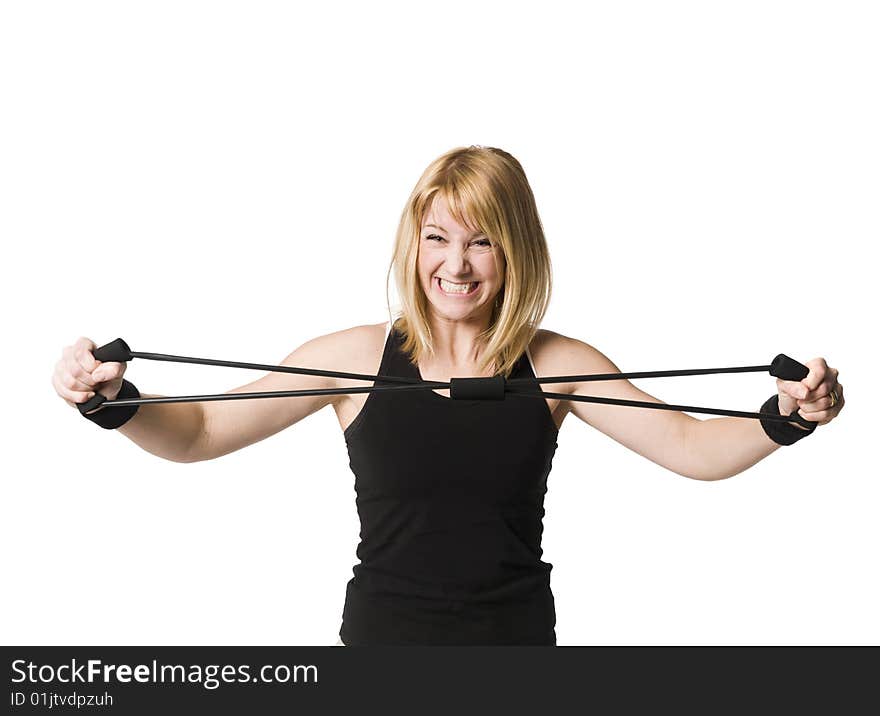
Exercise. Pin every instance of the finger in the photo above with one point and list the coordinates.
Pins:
(821, 411)
(827, 385)
(792, 388)
(74, 367)
(83, 353)
(60, 392)
(818, 371)
(821, 397)
(71, 383)
(838, 391)
(108, 371)
(823, 403)
(72, 397)
(821, 417)
(63, 377)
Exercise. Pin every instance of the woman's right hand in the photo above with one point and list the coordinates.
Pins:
(78, 374)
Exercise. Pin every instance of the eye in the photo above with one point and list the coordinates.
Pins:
(478, 242)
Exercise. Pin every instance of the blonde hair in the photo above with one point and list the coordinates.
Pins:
(487, 186)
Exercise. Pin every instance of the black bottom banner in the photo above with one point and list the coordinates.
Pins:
(246, 679)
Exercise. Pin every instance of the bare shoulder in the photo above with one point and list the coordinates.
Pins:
(355, 336)
(557, 354)
(350, 350)
(659, 435)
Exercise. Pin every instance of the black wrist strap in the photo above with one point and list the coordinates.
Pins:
(779, 432)
(112, 419)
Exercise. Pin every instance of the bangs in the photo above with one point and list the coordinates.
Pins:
(467, 201)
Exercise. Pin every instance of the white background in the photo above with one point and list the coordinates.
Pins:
(224, 180)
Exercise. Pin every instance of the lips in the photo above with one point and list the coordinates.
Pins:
(473, 290)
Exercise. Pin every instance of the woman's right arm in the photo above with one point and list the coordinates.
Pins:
(167, 430)
(230, 425)
(192, 432)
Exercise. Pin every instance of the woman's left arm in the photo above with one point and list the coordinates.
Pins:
(731, 445)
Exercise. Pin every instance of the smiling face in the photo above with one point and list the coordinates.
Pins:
(457, 266)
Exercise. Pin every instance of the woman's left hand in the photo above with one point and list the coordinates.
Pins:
(812, 395)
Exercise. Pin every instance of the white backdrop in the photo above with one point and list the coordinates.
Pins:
(224, 180)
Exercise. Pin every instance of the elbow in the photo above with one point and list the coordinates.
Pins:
(703, 478)
(712, 477)
(707, 472)
(200, 448)
(190, 458)
(701, 462)
(699, 475)
(177, 458)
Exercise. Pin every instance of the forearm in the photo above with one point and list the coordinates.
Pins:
(168, 430)
(723, 447)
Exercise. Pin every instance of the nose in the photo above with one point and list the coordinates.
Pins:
(456, 262)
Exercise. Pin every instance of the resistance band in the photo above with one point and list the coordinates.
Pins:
(494, 388)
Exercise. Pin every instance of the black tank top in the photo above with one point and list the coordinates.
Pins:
(450, 495)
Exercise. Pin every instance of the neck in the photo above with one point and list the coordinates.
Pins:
(455, 341)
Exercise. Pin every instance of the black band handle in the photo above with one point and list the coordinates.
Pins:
(95, 401)
(796, 417)
(116, 352)
(113, 352)
(790, 369)
(477, 388)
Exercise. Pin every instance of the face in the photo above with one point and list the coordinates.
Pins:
(457, 266)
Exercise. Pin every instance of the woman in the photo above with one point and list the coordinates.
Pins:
(449, 492)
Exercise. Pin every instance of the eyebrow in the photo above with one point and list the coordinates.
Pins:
(476, 233)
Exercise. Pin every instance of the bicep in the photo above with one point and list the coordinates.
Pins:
(658, 435)
(231, 425)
